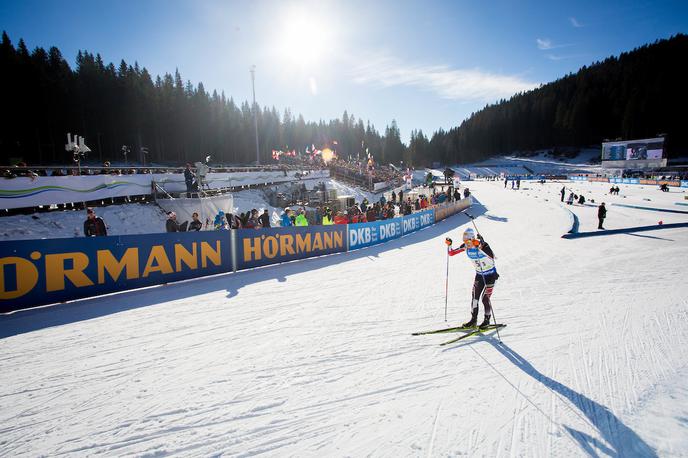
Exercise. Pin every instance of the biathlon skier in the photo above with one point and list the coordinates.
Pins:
(480, 253)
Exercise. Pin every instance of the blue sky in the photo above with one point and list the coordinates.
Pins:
(428, 65)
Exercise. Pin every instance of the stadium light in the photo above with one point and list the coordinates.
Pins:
(255, 110)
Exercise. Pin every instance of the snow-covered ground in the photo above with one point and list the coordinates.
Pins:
(316, 357)
(141, 218)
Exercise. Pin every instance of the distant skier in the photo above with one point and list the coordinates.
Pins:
(563, 193)
(482, 256)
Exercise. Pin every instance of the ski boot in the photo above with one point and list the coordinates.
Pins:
(473, 321)
(486, 322)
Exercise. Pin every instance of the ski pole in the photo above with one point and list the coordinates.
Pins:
(446, 287)
(484, 282)
(495, 320)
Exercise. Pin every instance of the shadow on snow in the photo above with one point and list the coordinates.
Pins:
(619, 439)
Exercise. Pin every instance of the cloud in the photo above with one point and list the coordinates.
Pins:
(544, 43)
(575, 23)
(556, 57)
(448, 83)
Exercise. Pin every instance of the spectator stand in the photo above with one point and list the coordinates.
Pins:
(371, 177)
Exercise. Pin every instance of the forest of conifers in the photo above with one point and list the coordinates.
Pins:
(639, 94)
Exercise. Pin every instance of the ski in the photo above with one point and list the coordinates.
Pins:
(454, 329)
(440, 331)
(492, 327)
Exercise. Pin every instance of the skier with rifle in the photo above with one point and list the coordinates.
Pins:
(482, 256)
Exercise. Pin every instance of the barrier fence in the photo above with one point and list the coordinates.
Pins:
(39, 272)
(675, 183)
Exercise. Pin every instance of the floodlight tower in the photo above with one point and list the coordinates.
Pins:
(255, 110)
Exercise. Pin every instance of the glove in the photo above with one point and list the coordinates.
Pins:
(448, 241)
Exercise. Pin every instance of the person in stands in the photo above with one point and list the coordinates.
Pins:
(171, 225)
(301, 218)
(188, 179)
(341, 218)
(196, 224)
(285, 220)
(327, 219)
(265, 218)
(233, 221)
(253, 222)
(94, 226)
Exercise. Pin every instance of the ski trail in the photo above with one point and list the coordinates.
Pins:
(530, 401)
(431, 445)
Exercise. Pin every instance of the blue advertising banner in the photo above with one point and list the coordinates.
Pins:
(280, 244)
(37, 272)
(684, 184)
(578, 178)
(525, 177)
(417, 221)
(363, 235)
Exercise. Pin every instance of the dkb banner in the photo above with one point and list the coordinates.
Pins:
(362, 235)
(37, 272)
(417, 221)
(269, 246)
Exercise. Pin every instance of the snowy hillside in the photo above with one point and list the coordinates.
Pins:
(316, 357)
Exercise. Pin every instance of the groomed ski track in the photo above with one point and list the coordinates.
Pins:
(316, 358)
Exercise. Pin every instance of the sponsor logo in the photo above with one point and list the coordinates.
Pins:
(20, 275)
(280, 245)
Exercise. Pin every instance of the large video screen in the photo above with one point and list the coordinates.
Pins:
(633, 150)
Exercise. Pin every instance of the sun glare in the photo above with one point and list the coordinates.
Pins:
(304, 38)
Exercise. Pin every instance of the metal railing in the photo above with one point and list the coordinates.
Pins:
(71, 170)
